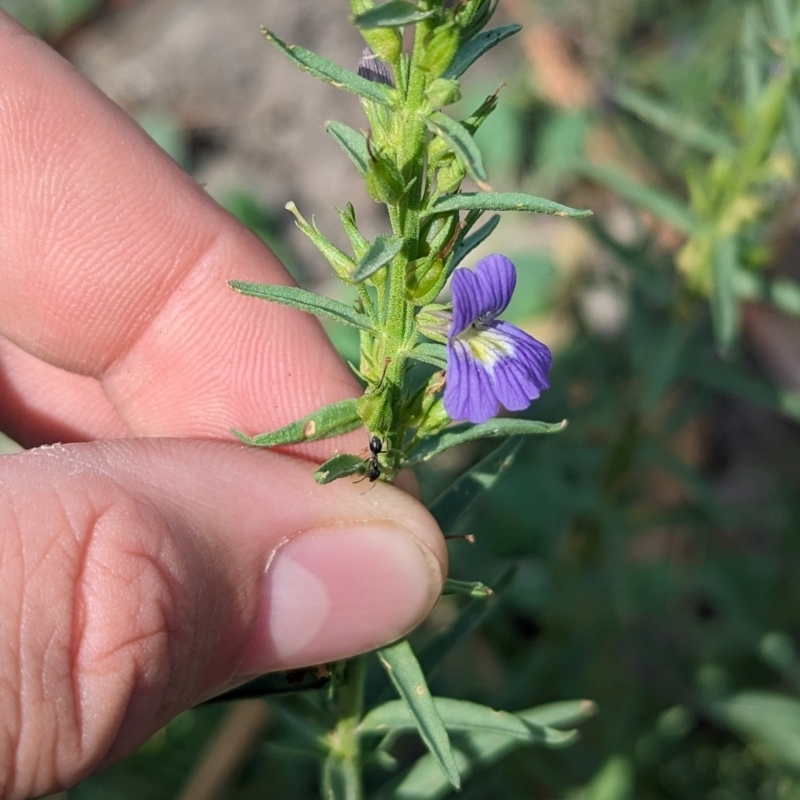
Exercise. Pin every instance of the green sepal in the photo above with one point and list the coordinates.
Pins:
(431, 353)
(502, 201)
(466, 245)
(475, 47)
(332, 420)
(474, 121)
(407, 677)
(474, 589)
(342, 465)
(327, 71)
(305, 301)
(380, 253)
(342, 265)
(352, 142)
(462, 715)
(466, 432)
(348, 217)
(392, 14)
(461, 143)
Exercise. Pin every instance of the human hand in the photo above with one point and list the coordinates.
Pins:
(141, 574)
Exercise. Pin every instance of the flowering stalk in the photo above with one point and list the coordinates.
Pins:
(413, 158)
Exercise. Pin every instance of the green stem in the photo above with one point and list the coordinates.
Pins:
(341, 774)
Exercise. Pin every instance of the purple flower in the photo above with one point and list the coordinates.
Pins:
(490, 362)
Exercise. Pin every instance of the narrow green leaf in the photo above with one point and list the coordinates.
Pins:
(474, 589)
(724, 303)
(305, 301)
(327, 71)
(750, 60)
(352, 142)
(768, 719)
(340, 466)
(468, 620)
(404, 672)
(431, 353)
(466, 432)
(332, 420)
(672, 122)
(562, 714)
(461, 715)
(664, 206)
(473, 240)
(502, 201)
(381, 252)
(457, 499)
(473, 49)
(460, 141)
(473, 750)
(393, 14)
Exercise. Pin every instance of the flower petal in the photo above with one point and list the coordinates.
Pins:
(530, 355)
(466, 300)
(468, 392)
(482, 294)
(498, 278)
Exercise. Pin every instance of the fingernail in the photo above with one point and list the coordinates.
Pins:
(333, 592)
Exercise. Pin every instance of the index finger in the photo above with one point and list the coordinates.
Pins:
(114, 267)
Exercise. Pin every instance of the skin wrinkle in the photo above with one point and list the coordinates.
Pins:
(12, 695)
(154, 312)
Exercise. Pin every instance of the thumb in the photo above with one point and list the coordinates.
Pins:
(139, 576)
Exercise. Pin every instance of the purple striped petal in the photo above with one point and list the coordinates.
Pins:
(483, 294)
(489, 362)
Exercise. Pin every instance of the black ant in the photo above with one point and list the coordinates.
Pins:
(374, 469)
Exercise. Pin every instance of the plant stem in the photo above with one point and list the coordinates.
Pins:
(341, 774)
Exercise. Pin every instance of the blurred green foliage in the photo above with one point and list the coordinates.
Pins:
(50, 19)
(655, 543)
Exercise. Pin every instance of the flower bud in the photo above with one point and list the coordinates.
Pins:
(442, 92)
(450, 175)
(383, 179)
(440, 50)
(375, 409)
(422, 276)
(473, 16)
(374, 68)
